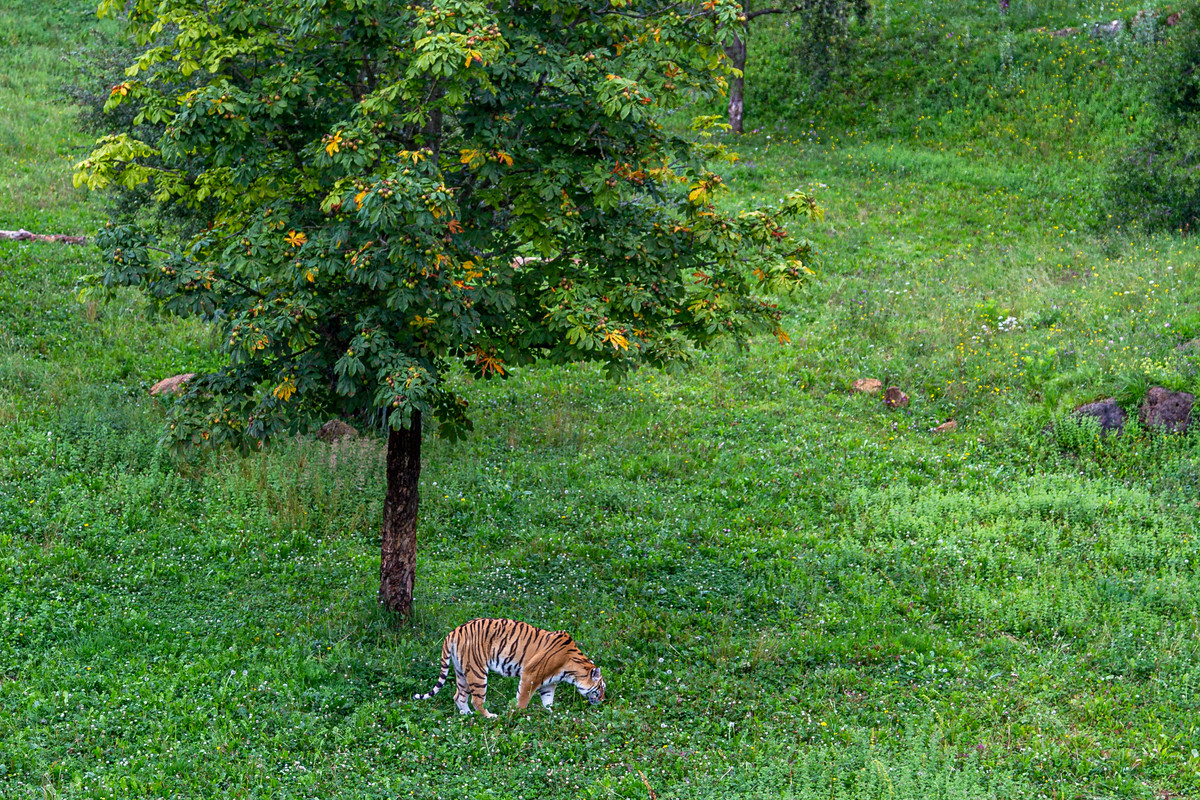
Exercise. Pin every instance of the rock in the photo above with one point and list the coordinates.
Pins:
(894, 398)
(335, 430)
(1165, 409)
(1110, 415)
(867, 385)
(1064, 32)
(172, 385)
(1107, 30)
(946, 426)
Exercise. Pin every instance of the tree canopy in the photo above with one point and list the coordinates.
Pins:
(380, 190)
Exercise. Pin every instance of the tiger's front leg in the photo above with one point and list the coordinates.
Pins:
(524, 693)
(547, 695)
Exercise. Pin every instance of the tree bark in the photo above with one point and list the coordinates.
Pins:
(398, 559)
(735, 48)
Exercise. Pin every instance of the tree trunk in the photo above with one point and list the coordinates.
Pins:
(398, 560)
(735, 48)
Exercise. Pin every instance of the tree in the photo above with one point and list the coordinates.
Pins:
(388, 189)
(825, 24)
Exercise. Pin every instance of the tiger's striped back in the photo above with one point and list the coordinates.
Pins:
(542, 659)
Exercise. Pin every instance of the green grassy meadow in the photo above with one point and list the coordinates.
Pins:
(793, 591)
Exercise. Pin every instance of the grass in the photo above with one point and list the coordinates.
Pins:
(35, 186)
(793, 591)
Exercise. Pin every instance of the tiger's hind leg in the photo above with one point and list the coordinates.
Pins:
(478, 696)
(461, 692)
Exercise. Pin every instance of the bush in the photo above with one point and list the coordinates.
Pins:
(1174, 73)
(96, 68)
(1155, 183)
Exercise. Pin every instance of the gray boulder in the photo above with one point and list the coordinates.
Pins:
(1170, 411)
(1110, 415)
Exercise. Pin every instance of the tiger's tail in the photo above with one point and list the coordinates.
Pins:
(441, 681)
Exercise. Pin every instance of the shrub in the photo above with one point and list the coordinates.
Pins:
(1155, 183)
(96, 68)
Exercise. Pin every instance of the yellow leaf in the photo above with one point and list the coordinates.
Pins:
(311, 275)
(616, 340)
(782, 336)
(295, 239)
(358, 198)
(286, 389)
(697, 195)
(335, 143)
(505, 157)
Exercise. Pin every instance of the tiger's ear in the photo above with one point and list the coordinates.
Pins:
(595, 673)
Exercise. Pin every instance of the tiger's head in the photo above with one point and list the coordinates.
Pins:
(592, 686)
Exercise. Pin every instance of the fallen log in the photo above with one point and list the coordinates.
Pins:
(23, 235)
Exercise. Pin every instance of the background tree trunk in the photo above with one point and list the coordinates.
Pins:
(735, 48)
(398, 560)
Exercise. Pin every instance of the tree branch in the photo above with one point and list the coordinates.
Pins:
(23, 235)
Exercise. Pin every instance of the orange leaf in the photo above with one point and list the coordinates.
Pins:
(488, 362)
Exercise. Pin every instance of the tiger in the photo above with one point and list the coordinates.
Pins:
(542, 659)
